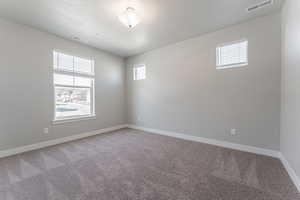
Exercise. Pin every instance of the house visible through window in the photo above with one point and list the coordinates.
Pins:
(139, 72)
(234, 54)
(73, 86)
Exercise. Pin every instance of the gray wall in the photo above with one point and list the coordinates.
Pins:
(290, 113)
(184, 92)
(26, 91)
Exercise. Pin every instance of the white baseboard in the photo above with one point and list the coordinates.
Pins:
(44, 144)
(290, 171)
(240, 147)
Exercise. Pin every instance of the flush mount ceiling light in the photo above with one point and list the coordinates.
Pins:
(129, 18)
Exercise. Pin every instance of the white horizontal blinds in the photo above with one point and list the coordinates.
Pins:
(83, 65)
(63, 62)
(139, 72)
(62, 79)
(72, 71)
(233, 54)
(68, 80)
(82, 82)
(68, 63)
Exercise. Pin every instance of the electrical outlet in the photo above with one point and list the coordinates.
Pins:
(46, 130)
(233, 132)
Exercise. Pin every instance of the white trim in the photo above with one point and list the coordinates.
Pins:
(44, 144)
(232, 66)
(232, 42)
(290, 171)
(240, 147)
(71, 86)
(74, 73)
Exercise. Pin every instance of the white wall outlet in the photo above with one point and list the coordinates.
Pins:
(233, 131)
(46, 130)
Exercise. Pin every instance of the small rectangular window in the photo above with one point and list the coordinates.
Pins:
(73, 81)
(139, 72)
(233, 54)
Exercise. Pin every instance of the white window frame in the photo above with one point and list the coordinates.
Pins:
(218, 57)
(135, 68)
(59, 120)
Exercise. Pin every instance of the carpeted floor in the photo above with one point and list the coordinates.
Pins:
(133, 165)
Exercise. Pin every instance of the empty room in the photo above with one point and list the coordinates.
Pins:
(150, 100)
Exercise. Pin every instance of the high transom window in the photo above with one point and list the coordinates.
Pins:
(139, 72)
(234, 54)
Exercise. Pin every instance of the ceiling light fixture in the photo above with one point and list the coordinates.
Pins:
(129, 18)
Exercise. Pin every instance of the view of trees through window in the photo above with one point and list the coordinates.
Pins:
(72, 102)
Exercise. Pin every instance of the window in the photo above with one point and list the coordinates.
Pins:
(73, 87)
(234, 54)
(139, 72)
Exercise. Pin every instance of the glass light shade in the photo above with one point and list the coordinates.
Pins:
(129, 18)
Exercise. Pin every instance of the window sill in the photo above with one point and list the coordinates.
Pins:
(231, 66)
(70, 120)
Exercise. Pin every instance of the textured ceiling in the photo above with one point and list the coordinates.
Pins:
(96, 23)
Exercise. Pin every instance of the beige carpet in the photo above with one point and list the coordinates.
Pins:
(133, 165)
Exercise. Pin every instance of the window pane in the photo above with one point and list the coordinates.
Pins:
(139, 73)
(232, 54)
(72, 102)
(61, 79)
(83, 65)
(84, 82)
(64, 62)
